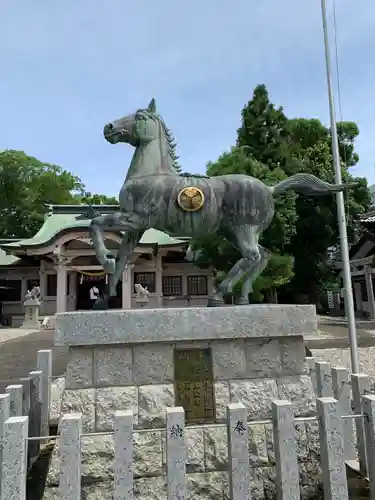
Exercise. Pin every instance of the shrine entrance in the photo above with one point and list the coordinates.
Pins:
(85, 282)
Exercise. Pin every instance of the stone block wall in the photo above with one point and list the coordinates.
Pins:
(103, 379)
(207, 462)
(265, 362)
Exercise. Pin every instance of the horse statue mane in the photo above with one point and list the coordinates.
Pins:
(197, 176)
(171, 141)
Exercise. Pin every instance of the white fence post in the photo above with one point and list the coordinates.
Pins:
(44, 364)
(284, 435)
(312, 372)
(341, 392)
(15, 403)
(4, 415)
(368, 403)
(176, 454)
(323, 379)
(360, 385)
(70, 456)
(123, 462)
(332, 449)
(26, 384)
(238, 452)
(35, 412)
(14, 473)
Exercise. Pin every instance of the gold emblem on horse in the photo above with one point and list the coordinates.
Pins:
(190, 199)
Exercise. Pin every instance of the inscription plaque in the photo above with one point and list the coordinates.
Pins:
(194, 386)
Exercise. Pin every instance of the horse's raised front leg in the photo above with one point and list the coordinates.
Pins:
(127, 247)
(116, 222)
(113, 222)
(114, 265)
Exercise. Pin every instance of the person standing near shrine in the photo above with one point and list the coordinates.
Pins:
(94, 295)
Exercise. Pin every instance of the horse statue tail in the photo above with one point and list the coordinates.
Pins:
(308, 184)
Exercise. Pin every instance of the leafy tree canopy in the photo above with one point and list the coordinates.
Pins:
(27, 185)
(271, 146)
(317, 225)
(96, 199)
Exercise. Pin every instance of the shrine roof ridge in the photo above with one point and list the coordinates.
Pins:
(62, 219)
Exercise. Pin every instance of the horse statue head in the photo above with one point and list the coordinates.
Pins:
(142, 128)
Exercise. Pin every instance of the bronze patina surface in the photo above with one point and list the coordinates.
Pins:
(156, 195)
(194, 388)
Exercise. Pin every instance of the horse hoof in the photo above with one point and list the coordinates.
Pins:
(242, 301)
(215, 303)
(101, 304)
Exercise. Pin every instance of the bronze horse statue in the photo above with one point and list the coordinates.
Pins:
(156, 195)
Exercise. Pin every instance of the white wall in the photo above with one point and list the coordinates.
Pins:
(183, 270)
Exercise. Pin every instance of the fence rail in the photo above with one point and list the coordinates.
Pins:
(343, 400)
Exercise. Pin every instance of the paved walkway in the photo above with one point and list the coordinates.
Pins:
(18, 356)
(13, 333)
(336, 336)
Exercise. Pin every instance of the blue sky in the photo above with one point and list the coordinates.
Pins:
(69, 67)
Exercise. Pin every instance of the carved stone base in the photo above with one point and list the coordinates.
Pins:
(257, 356)
(31, 319)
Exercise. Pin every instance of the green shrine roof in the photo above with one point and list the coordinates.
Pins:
(66, 218)
(8, 260)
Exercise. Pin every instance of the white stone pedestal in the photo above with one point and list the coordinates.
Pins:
(124, 360)
(32, 308)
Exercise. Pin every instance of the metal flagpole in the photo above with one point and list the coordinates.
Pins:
(348, 292)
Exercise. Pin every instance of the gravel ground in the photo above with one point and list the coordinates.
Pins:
(341, 357)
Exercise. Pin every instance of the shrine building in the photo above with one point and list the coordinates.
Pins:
(362, 266)
(61, 260)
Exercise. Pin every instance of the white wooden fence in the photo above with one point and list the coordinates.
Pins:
(18, 431)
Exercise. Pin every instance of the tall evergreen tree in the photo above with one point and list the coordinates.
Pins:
(264, 131)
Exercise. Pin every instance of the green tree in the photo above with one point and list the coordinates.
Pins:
(26, 186)
(317, 228)
(96, 199)
(304, 145)
(264, 131)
